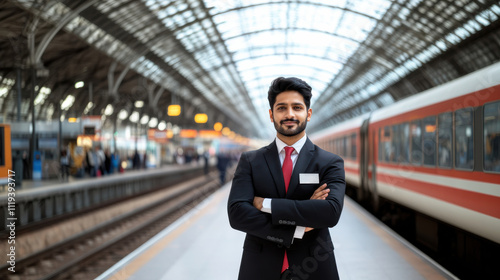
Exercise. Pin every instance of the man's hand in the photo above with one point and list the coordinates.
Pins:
(257, 202)
(320, 193)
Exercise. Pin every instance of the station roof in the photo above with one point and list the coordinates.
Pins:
(219, 56)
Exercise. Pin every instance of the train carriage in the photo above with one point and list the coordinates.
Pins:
(433, 153)
(344, 140)
(437, 153)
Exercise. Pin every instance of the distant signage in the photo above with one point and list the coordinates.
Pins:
(89, 130)
(91, 122)
(19, 144)
(47, 143)
(188, 133)
(210, 134)
(160, 136)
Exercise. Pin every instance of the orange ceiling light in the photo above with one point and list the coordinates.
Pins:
(218, 126)
(201, 118)
(226, 131)
(174, 110)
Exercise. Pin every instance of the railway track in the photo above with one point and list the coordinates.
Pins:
(89, 253)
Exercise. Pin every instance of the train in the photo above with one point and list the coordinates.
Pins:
(436, 153)
(5, 154)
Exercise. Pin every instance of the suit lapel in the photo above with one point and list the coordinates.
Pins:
(305, 156)
(274, 165)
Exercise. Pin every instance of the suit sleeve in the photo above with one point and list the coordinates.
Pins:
(315, 213)
(245, 217)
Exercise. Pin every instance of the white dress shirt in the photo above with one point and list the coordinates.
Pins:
(297, 146)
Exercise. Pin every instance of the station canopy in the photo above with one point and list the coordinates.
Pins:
(220, 56)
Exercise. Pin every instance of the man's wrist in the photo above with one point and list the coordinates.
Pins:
(299, 232)
(266, 205)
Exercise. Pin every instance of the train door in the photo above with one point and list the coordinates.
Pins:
(372, 169)
(363, 193)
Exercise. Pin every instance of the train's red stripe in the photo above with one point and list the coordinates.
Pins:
(483, 203)
(453, 173)
(473, 99)
(351, 170)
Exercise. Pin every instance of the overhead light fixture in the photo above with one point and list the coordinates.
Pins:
(170, 134)
(174, 110)
(201, 118)
(109, 110)
(218, 126)
(68, 102)
(226, 131)
(162, 125)
(134, 117)
(139, 104)
(153, 122)
(79, 84)
(123, 114)
(89, 106)
(145, 119)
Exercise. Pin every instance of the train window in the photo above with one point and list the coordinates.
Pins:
(464, 150)
(402, 145)
(353, 146)
(492, 137)
(347, 147)
(445, 132)
(385, 147)
(429, 140)
(416, 142)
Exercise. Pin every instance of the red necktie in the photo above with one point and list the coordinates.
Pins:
(287, 166)
(287, 169)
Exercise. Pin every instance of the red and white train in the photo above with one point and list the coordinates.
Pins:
(437, 152)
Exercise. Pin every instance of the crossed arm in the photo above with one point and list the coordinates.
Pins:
(320, 211)
(319, 194)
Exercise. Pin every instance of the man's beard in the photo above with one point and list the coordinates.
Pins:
(289, 132)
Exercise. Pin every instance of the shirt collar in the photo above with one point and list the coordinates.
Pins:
(297, 145)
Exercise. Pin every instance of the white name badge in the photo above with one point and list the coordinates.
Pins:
(309, 178)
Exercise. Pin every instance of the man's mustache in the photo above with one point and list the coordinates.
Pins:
(289, 120)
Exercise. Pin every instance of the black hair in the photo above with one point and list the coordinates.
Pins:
(282, 84)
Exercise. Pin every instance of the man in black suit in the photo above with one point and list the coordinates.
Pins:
(285, 199)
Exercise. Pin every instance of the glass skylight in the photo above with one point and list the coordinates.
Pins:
(221, 55)
(311, 40)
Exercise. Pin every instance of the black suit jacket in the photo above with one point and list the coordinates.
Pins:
(268, 235)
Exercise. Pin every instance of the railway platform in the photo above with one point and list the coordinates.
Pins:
(202, 245)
